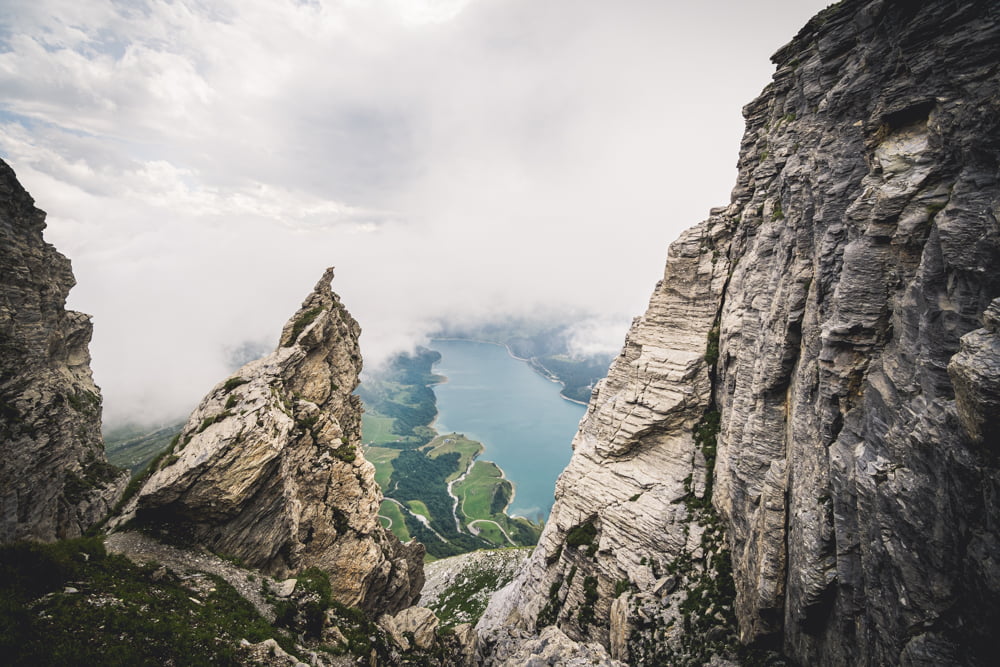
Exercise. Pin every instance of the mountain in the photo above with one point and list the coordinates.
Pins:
(796, 451)
(268, 468)
(55, 481)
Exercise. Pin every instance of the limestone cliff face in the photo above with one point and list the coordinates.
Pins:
(269, 468)
(55, 481)
(855, 375)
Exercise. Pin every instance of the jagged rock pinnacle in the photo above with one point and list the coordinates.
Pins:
(269, 468)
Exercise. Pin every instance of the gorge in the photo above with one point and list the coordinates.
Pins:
(793, 459)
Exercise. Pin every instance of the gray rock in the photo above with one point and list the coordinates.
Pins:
(420, 623)
(283, 589)
(55, 481)
(269, 468)
(851, 283)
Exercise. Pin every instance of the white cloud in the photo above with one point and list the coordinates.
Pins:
(203, 162)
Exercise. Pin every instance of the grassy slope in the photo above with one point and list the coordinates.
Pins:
(393, 442)
(133, 447)
(454, 442)
(390, 510)
(71, 603)
(477, 490)
(381, 458)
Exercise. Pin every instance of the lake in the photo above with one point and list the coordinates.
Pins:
(518, 415)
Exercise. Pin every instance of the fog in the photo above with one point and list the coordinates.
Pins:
(455, 160)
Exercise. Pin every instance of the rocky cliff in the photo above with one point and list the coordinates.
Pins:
(797, 447)
(269, 469)
(55, 481)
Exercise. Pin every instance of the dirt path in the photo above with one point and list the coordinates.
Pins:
(141, 549)
(474, 522)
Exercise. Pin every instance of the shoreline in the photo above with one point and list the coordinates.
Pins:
(536, 366)
(485, 447)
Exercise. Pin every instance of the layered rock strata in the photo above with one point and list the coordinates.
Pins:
(269, 468)
(854, 372)
(55, 481)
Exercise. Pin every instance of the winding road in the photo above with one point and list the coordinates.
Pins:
(475, 531)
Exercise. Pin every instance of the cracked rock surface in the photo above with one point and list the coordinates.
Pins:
(840, 317)
(55, 481)
(269, 468)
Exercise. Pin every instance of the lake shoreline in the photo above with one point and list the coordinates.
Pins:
(531, 361)
(508, 407)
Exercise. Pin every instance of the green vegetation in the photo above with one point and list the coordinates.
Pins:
(96, 473)
(346, 453)
(214, 419)
(133, 447)
(453, 442)
(585, 616)
(935, 207)
(776, 212)
(707, 608)
(465, 600)
(549, 614)
(233, 383)
(399, 403)
(477, 490)
(84, 402)
(71, 603)
(706, 432)
(381, 458)
(304, 320)
(377, 429)
(418, 507)
(583, 534)
(712, 348)
(414, 465)
(390, 510)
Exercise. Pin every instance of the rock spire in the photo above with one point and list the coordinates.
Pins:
(269, 468)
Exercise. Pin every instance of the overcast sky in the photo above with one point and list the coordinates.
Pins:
(202, 161)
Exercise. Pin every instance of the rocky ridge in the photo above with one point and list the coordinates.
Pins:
(811, 397)
(55, 481)
(269, 469)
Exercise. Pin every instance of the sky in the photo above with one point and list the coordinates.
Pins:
(203, 161)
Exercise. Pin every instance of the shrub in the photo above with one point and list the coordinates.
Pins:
(582, 534)
(233, 383)
(304, 320)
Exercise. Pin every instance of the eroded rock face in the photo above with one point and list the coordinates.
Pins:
(855, 376)
(55, 481)
(269, 469)
(629, 507)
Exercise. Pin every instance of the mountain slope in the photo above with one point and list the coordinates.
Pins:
(792, 406)
(55, 481)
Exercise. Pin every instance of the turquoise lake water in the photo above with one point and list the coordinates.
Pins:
(515, 412)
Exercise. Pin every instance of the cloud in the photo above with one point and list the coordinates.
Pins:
(202, 163)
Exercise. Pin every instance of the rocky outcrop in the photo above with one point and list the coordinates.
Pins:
(838, 361)
(627, 520)
(269, 469)
(55, 481)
